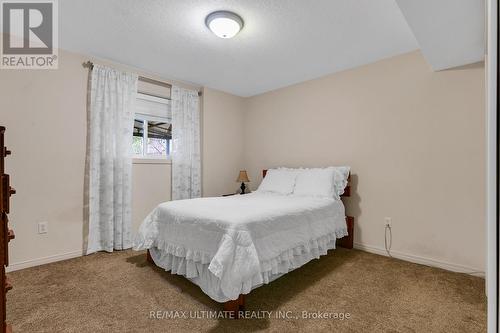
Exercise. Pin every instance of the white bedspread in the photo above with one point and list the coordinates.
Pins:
(236, 243)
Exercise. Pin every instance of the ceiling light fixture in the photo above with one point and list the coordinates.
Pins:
(224, 24)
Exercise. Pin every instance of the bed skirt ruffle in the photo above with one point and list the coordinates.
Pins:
(199, 266)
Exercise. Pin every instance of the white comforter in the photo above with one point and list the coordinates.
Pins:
(242, 241)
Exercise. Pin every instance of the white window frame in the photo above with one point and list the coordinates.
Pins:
(145, 158)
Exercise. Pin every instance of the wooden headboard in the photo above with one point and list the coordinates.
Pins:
(347, 190)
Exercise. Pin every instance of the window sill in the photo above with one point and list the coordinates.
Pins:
(142, 160)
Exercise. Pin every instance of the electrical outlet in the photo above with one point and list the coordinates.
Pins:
(388, 222)
(43, 227)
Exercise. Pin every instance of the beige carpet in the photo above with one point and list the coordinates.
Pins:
(116, 292)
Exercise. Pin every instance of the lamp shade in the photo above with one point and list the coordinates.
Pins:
(243, 177)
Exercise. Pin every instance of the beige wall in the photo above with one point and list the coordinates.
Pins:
(415, 140)
(222, 142)
(151, 185)
(45, 115)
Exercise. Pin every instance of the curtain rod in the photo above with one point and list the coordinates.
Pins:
(89, 64)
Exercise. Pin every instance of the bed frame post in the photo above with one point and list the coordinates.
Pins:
(148, 257)
(348, 241)
(235, 306)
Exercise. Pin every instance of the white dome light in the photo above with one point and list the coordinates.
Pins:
(224, 24)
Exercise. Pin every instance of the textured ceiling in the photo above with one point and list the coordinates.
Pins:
(283, 41)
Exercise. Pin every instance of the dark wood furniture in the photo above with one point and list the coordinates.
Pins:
(348, 241)
(6, 191)
(235, 306)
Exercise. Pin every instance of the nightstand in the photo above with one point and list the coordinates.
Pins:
(228, 195)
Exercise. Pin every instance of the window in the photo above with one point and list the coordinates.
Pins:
(152, 136)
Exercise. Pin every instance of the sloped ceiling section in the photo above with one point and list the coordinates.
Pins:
(450, 33)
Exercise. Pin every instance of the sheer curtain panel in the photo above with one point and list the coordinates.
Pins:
(111, 121)
(186, 164)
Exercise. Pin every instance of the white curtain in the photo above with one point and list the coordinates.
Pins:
(112, 99)
(186, 164)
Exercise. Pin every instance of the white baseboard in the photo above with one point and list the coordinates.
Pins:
(41, 261)
(421, 260)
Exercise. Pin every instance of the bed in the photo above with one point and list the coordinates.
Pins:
(231, 245)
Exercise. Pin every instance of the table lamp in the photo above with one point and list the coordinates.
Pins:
(243, 178)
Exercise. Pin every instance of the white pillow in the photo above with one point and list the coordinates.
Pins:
(278, 181)
(340, 179)
(316, 182)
